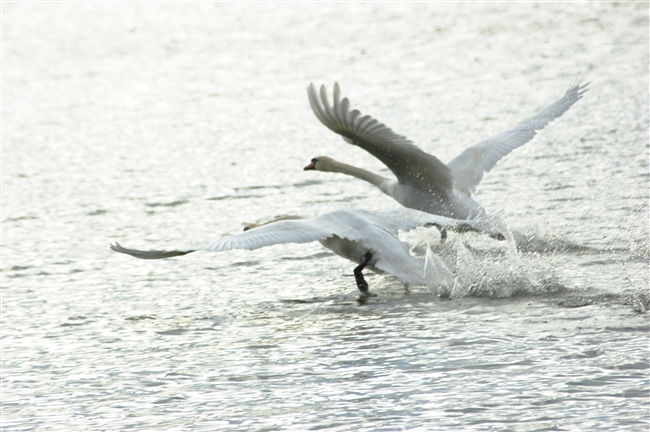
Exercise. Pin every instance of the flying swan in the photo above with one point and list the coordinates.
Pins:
(423, 181)
(366, 238)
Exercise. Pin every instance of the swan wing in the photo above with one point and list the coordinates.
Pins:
(408, 162)
(395, 220)
(398, 261)
(285, 231)
(149, 254)
(437, 275)
(469, 166)
(405, 219)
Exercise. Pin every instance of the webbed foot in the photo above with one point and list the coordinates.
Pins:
(363, 298)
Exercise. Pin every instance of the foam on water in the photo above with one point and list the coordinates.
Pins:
(523, 265)
(484, 267)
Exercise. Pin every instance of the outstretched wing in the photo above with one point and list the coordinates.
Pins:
(469, 166)
(285, 231)
(408, 162)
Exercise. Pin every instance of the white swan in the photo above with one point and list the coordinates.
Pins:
(423, 181)
(366, 238)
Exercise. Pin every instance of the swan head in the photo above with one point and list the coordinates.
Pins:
(321, 163)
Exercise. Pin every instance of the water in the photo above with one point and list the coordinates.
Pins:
(159, 125)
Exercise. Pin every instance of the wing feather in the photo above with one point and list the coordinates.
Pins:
(408, 162)
(335, 223)
(469, 166)
(150, 254)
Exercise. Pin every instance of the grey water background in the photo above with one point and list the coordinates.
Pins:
(162, 124)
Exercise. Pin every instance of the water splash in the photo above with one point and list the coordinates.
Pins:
(437, 275)
(478, 266)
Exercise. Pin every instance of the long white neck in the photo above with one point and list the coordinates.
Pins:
(360, 173)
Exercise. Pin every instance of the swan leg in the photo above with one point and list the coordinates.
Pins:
(443, 234)
(358, 276)
(443, 231)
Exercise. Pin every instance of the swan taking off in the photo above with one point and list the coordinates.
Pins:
(366, 238)
(423, 181)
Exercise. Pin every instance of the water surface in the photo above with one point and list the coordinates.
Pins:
(162, 125)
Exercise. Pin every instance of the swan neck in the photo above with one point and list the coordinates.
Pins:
(359, 173)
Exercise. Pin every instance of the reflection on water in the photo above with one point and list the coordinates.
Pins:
(162, 125)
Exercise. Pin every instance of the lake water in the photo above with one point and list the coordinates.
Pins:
(162, 124)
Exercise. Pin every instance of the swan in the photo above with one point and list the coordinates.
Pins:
(366, 238)
(422, 181)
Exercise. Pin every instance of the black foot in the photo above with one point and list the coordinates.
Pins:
(443, 234)
(363, 298)
(358, 276)
(361, 282)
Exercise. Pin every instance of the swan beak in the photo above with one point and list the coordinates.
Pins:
(311, 166)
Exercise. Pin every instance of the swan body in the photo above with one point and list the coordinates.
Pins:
(364, 237)
(422, 181)
(453, 203)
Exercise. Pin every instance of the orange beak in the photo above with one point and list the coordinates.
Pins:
(311, 166)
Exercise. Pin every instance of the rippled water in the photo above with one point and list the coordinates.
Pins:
(159, 125)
